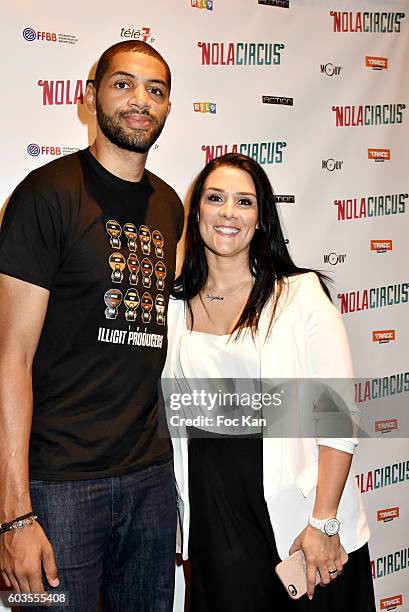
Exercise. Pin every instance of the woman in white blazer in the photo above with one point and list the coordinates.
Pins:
(251, 491)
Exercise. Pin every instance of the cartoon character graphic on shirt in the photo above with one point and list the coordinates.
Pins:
(131, 233)
(146, 305)
(147, 269)
(112, 299)
(145, 239)
(160, 273)
(158, 241)
(134, 267)
(117, 263)
(160, 309)
(131, 301)
(114, 231)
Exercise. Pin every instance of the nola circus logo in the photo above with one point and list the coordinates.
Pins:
(202, 4)
(366, 207)
(31, 35)
(144, 33)
(382, 23)
(384, 476)
(388, 514)
(204, 107)
(368, 115)
(335, 258)
(383, 336)
(379, 155)
(34, 150)
(240, 53)
(279, 3)
(381, 246)
(395, 561)
(63, 92)
(262, 152)
(376, 63)
(371, 389)
(376, 297)
(331, 164)
(390, 603)
(331, 70)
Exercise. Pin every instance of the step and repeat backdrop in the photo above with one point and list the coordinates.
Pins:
(317, 92)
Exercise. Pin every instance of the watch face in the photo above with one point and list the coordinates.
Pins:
(331, 526)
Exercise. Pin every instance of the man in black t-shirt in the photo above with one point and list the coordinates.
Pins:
(87, 260)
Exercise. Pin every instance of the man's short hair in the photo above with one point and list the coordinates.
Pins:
(135, 46)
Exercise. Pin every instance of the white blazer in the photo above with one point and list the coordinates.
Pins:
(307, 340)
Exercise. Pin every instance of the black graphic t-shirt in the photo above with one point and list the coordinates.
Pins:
(105, 249)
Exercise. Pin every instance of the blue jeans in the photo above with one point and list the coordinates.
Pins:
(112, 535)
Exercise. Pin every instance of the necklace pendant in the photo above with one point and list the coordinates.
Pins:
(211, 297)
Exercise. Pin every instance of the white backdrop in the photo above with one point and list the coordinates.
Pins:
(317, 91)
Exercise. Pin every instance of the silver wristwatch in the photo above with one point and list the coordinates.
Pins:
(329, 526)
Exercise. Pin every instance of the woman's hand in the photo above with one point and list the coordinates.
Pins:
(322, 553)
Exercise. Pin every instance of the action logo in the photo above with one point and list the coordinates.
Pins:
(202, 4)
(331, 70)
(262, 152)
(284, 199)
(382, 23)
(368, 115)
(277, 100)
(383, 336)
(31, 35)
(279, 3)
(376, 63)
(365, 207)
(143, 34)
(240, 54)
(204, 107)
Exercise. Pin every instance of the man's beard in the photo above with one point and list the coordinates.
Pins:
(138, 141)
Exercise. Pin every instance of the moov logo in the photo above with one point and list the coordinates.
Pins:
(376, 63)
(30, 35)
(334, 258)
(202, 4)
(331, 70)
(204, 107)
(379, 155)
(391, 603)
(34, 150)
(383, 336)
(387, 515)
(331, 164)
(381, 246)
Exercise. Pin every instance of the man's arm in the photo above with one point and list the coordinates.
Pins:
(22, 311)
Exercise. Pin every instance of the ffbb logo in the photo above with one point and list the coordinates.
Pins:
(35, 150)
(379, 155)
(30, 35)
(384, 516)
(384, 335)
(391, 603)
(376, 63)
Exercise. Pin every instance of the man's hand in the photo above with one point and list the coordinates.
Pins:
(23, 554)
(322, 553)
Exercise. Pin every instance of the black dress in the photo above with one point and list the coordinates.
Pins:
(232, 549)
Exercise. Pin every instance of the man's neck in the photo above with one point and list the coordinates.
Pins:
(124, 164)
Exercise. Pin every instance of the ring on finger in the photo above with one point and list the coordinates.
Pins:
(333, 572)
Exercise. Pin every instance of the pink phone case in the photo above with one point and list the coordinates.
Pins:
(293, 573)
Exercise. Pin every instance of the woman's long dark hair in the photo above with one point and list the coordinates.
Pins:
(269, 260)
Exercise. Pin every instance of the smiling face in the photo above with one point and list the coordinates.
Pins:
(228, 212)
(132, 101)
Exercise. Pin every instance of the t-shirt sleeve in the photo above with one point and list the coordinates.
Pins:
(30, 238)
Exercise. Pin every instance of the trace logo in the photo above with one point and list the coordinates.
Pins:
(143, 34)
(279, 3)
(386, 426)
(202, 4)
(391, 603)
(331, 70)
(204, 107)
(383, 336)
(331, 164)
(387, 515)
(261, 152)
(334, 259)
(30, 35)
(284, 199)
(63, 92)
(381, 246)
(379, 155)
(277, 100)
(376, 63)
(384, 23)
(240, 54)
(368, 115)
